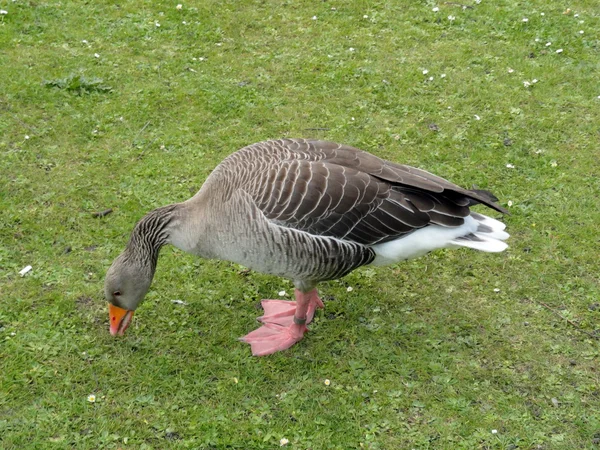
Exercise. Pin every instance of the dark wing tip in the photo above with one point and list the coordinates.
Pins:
(481, 196)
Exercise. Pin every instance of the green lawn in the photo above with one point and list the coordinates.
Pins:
(130, 104)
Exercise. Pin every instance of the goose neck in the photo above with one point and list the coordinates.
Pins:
(150, 234)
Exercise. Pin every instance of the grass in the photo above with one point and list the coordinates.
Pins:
(100, 107)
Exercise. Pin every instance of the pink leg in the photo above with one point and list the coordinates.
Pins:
(284, 323)
(281, 312)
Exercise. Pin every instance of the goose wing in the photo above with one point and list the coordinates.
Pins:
(328, 189)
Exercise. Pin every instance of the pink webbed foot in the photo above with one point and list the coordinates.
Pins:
(271, 338)
(284, 323)
(281, 312)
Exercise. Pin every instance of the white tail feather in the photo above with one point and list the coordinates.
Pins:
(494, 234)
(489, 236)
(483, 244)
(485, 220)
(479, 232)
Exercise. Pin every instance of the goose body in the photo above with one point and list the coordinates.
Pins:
(309, 211)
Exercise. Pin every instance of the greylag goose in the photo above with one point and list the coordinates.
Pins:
(309, 211)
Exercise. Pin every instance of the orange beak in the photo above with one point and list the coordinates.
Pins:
(119, 319)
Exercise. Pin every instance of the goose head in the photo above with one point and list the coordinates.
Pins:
(126, 284)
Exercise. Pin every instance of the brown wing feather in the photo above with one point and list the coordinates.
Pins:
(397, 173)
(334, 190)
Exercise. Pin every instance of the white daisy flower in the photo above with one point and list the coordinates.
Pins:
(180, 6)
(91, 398)
(327, 382)
(451, 18)
(560, 50)
(436, 9)
(283, 442)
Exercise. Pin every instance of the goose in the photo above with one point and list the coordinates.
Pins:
(309, 211)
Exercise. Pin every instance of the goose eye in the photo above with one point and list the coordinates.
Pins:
(117, 293)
